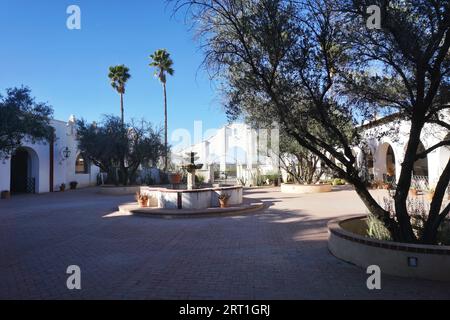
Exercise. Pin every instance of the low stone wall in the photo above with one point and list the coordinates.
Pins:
(399, 259)
(113, 190)
(305, 188)
(192, 199)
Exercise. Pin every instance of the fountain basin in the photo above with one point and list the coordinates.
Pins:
(191, 199)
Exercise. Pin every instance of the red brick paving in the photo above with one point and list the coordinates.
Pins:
(279, 253)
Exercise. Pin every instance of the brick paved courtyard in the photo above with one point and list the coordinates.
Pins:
(278, 253)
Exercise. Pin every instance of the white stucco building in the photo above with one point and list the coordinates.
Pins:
(387, 139)
(43, 167)
(237, 149)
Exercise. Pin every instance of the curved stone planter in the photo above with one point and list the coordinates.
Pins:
(113, 190)
(305, 188)
(398, 259)
(192, 199)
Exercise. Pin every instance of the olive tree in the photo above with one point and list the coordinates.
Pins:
(308, 65)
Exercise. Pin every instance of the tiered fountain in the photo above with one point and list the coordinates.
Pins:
(191, 168)
(191, 198)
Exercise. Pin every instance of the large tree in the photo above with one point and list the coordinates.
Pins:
(119, 75)
(299, 59)
(301, 164)
(21, 117)
(107, 143)
(407, 66)
(163, 65)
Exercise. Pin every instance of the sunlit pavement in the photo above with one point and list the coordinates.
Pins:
(278, 253)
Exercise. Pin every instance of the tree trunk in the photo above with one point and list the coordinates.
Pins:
(121, 109)
(376, 209)
(404, 182)
(434, 220)
(165, 129)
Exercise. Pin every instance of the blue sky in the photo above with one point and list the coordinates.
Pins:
(69, 68)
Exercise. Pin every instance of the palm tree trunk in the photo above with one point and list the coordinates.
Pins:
(121, 109)
(165, 128)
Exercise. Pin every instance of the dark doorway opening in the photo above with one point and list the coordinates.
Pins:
(21, 182)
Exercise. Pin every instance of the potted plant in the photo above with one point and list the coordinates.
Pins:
(175, 177)
(223, 200)
(142, 199)
(413, 191)
(387, 185)
(62, 187)
(430, 193)
(5, 194)
(73, 185)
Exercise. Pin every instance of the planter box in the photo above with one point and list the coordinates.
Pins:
(5, 195)
(398, 259)
(305, 188)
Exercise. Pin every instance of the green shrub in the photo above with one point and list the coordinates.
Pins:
(199, 179)
(376, 229)
(338, 182)
(443, 236)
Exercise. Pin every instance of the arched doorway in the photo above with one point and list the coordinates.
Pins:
(24, 171)
(390, 164)
(421, 165)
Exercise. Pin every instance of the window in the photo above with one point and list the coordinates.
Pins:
(81, 166)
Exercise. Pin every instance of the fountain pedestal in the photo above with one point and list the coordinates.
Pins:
(191, 180)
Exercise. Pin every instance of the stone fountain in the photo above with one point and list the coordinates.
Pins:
(191, 168)
(191, 198)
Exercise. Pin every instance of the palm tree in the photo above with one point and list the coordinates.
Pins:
(163, 63)
(119, 75)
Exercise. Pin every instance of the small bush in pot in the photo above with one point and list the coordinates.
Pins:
(62, 187)
(5, 194)
(430, 193)
(73, 185)
(223, 200)
(142, 199)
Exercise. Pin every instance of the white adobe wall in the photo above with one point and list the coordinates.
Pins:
(5, 169)
(64, 169)
(431, 135)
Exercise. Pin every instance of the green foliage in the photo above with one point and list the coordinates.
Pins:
(109, 144)
(338, 182)
(376, 229)
(163, 64)
(22, 117)
(199, 180)
(443, 236)
(314, 67)
(119, 75)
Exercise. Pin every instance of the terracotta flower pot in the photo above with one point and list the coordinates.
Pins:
(175, 178)
(430, 196)
(5, 195)
(143, 203)
(223, 203)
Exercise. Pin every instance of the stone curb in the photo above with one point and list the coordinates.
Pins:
(173, 214)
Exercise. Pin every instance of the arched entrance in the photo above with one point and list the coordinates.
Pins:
(24, 171)
(385, 164)
(421, 165)
(390, 164)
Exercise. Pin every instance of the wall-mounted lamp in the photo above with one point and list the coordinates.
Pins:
(66, 153)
